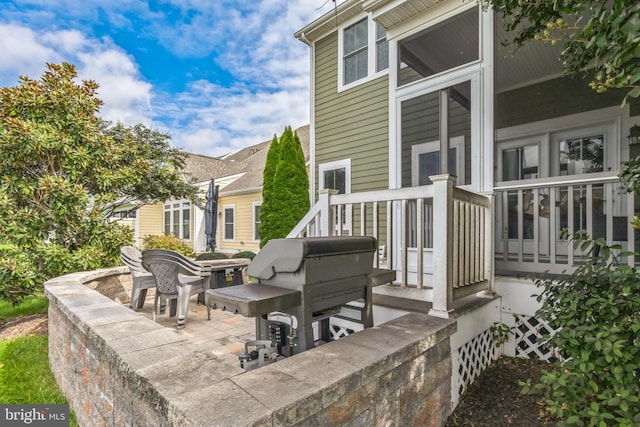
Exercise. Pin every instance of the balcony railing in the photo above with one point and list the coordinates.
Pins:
(530, 216)
(440, 232)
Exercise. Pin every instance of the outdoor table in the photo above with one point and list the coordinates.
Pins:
(224, 272)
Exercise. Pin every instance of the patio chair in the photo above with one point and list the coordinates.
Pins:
(142, 279)
(177, 279)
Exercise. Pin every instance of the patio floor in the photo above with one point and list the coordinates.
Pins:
(225, 333)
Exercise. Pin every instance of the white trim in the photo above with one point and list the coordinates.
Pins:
(541, 141)
(338, 164)
(395, 155)
(312, 127)
(561, 123)
(199, 238)
(371, 54)
(253, 220)
(224, 222)
(222, 181)
(482, 152)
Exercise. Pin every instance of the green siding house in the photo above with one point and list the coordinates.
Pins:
(463, 157)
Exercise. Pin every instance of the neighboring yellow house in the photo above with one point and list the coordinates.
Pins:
(239, 177)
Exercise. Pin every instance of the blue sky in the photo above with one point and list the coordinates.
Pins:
(216, 75)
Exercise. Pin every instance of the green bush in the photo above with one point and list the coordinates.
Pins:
(244, 254)
(23, 272)
(211, 255)
(170, 242)
(596, 315)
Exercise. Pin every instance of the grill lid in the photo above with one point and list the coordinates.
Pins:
(287, 255)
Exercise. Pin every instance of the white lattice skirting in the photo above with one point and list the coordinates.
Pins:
(529, 333)
(339, 328)
(469, 361)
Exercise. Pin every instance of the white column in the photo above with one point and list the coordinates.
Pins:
(442, 245)
(326, 213)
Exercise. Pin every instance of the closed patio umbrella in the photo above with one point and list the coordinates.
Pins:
(211, 216)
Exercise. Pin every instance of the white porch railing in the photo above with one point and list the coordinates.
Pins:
(531, 214)
(452, 224)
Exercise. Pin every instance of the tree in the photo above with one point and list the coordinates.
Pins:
(62, 171)
(285, 194)
(266, 224)
(154, 164)
(599, 36)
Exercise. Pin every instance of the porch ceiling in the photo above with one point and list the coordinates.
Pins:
(392, 12)
(535, 61)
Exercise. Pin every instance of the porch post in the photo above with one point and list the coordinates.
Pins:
(442, 245)
(326, 213)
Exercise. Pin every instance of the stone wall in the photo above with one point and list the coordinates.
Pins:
(118, 368)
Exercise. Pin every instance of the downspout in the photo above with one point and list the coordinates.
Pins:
(312, 157)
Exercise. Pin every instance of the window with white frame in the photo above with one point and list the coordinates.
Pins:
(257, 206)
(177, 219)
(425, 161)
(337, 175)
(520, 158)
(356, 42)
(229, 215)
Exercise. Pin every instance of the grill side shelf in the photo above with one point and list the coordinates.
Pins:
(253, 299)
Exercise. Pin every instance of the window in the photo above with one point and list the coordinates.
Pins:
(425, 160)
(229, 222)
(520, 163)
(382, 49)
(580, 151)
(582, 155)
(130, 214)
(356, 43)
(177, 219)
(257, 206)
(520, 158)
(337, 175)
(355, 52)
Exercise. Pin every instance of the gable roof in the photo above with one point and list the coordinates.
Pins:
(200, 168)
(253, 160)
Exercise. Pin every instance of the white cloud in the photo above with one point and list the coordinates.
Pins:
(125, 94)
(252, 41)
(22, 54)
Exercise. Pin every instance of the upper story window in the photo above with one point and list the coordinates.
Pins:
(382, 49)
(364, 51)
(355, 52)
(442, 47)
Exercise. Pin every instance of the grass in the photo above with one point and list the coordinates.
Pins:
(29, 306)
(25, 376)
